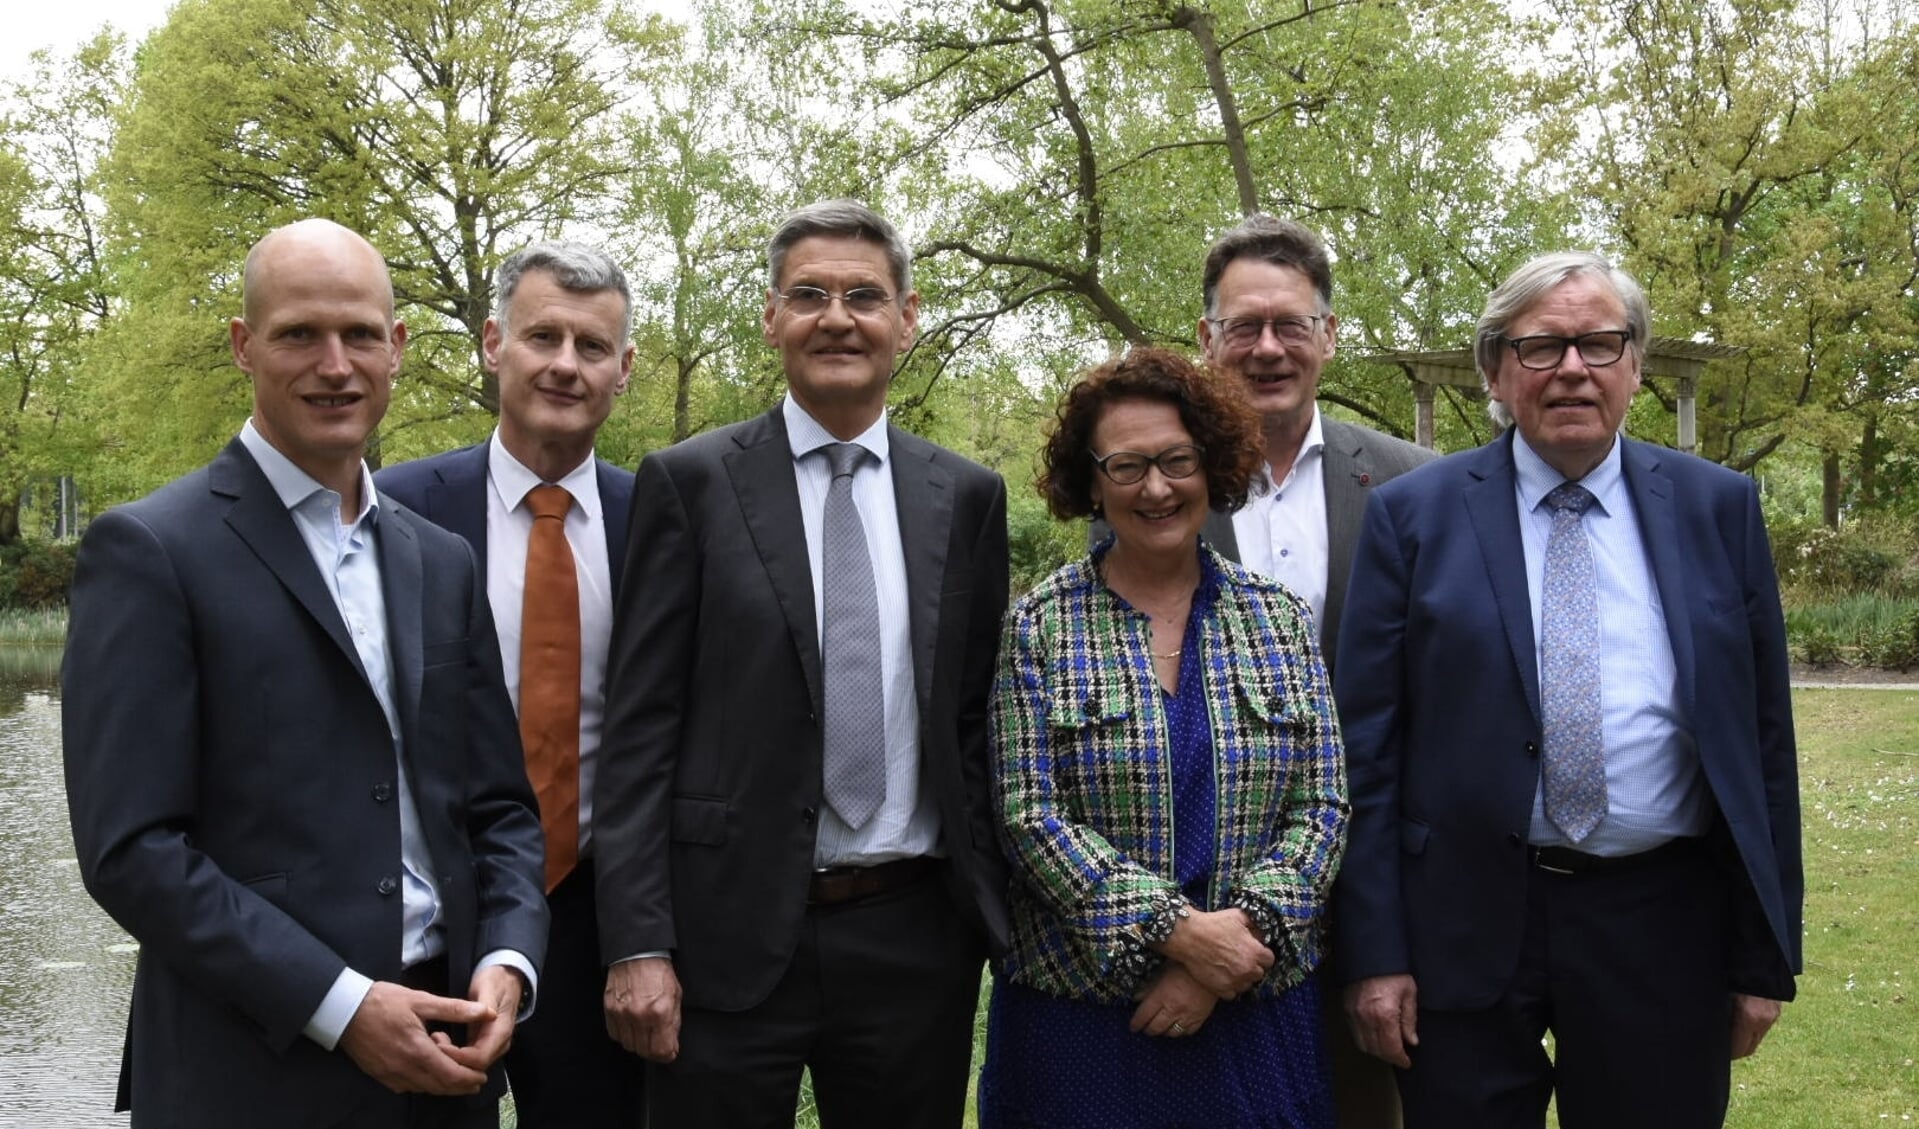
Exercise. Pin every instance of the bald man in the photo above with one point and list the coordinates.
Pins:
(293, 769)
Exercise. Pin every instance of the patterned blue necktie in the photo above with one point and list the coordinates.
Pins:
(855, 726)
(1569, 671)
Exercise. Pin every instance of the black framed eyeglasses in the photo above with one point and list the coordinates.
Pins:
(1123, 468)
(809, 300)
(1545, 350)
(1244, 333)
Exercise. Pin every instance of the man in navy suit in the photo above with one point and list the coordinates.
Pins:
(1575, 801)
(560, 345)
(290, 757)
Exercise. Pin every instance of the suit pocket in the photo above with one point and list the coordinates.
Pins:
(272, 887)
(443, 654)
(699, 819)
(1412, 837)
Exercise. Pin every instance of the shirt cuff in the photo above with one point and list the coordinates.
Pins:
(518, 963)
(337, 1009)
(650, 954)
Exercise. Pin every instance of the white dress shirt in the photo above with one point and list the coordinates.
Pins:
(509, 524)
(344, 553)
(1282, 527)
(1654, 788)
(907, 823)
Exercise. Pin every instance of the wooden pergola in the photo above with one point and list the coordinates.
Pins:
(1665, 356)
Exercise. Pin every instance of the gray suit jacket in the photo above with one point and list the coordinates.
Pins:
(232, 782)
(709, 787)
(1355, 460)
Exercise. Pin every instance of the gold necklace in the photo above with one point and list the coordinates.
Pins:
(1168, 655)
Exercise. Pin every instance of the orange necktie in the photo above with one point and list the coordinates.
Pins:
(550, 678)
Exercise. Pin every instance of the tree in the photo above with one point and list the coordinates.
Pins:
(54, 288)
(448, 131)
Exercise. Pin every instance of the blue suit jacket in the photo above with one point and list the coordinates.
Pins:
(232, 779)
(1438, 694)
(449, 490)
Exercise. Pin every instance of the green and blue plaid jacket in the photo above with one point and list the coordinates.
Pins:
(1084, 791)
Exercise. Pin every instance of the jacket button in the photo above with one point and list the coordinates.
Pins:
(382, 792)
(1513, 839)
(1532, 749)
(388, 885)
(808, 815)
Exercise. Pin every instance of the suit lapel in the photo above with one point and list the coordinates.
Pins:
(1652, 496)
(258, 518)
(616, 500)
(457, 502)
(401, 581)
(761, 470)
(923, 493)
(1218, 532)
(1345, 476)
(1494, 513)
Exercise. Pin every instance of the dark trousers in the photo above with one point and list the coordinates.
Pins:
(565, 1071)
(1628, 971)
(877, 1002)
(1365, 1093)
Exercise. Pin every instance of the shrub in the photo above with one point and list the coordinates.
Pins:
(35, 574)
(1894, 646)
(1817, 645)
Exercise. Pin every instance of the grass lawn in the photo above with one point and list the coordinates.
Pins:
(1846, 1053)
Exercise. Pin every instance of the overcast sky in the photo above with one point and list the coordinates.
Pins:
(61, 24)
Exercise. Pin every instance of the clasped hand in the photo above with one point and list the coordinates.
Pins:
(388, 1037)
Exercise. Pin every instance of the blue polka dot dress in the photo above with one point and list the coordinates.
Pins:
(1055, 1063)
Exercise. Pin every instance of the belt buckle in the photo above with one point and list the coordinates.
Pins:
(1539, 860)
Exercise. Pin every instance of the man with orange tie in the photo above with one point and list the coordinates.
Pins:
(548, 520)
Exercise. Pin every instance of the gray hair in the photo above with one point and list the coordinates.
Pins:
(845, 219)
(1536, 278)
(575, 266)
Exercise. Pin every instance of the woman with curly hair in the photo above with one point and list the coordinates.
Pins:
(1169, 789)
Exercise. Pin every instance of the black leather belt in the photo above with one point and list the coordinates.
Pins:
(430, 975)
(837, 885)
(1565, 860)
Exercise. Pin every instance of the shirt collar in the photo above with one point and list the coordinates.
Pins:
(513, 480)
(1309, 447)
(805, 434)
(293, 485)
(1537, 478)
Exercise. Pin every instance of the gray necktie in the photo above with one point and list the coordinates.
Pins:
(1569, 671)
(855, 751)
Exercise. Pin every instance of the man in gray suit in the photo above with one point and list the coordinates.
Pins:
(291, 762)
(1269, 318)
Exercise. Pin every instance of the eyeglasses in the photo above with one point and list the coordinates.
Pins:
(1123, 468)
(1546, 350)
(806, 301)
(1244, 333)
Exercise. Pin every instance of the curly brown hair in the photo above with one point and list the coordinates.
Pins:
(1212, 408)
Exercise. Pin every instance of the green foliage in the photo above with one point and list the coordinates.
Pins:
(35, 574)
(1894, 646)
(1864, 557)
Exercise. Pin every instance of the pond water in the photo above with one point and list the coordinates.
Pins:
(66, 970)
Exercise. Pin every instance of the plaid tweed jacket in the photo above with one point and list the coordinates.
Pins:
(1084, 791)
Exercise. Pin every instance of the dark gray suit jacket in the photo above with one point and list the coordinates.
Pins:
(232, 782)
(1355, 459)
(709, 786)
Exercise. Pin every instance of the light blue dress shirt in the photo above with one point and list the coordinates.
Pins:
(1654, 788)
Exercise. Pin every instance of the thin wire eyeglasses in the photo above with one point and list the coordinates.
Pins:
(1541, 351)
(1244, 333)
(1123, 468)
(805, 301)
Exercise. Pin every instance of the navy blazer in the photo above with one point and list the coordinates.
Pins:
(449, 490)
(1439, 698)
(232, 782)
